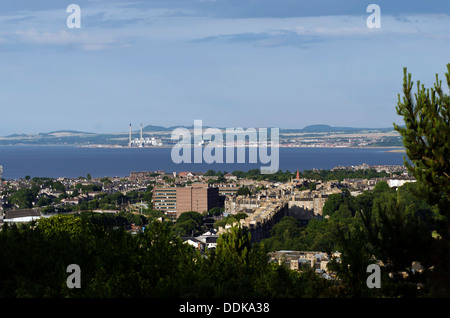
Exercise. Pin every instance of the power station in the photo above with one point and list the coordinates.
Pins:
(141, 141)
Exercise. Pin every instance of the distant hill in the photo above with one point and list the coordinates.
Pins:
(326, 128)
(16, 135)
(151, 128)
(74, 137)
(73, 132)
(307, 129)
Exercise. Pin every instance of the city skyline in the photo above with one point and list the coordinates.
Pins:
(287, 64)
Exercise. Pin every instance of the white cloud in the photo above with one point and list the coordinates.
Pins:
(87, 40)
(115, 25)
(317, 29)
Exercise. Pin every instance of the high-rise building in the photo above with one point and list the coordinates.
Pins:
(174, 201)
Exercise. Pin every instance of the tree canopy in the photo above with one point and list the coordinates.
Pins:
(426, 137)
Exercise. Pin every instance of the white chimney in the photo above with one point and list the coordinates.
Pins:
(129, 137)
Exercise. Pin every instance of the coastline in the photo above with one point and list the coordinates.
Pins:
(391, 148)
(397, 150)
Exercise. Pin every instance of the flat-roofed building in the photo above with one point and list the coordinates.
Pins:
(165, 200)
(176, 200)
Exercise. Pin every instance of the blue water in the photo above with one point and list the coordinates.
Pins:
(73, 162)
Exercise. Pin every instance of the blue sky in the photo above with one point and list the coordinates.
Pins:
(229, 63)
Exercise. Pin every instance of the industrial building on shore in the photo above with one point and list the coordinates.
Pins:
(141, 141)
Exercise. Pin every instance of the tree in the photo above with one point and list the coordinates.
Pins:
(355, 258)
(426, 137)
(58, 186)
(43, 201)
(381, 186)
(287, 223)
(23, 198)
(216, 211)
(393, 221)
(243, 191)
(336, 200)
(191, 215)
(189, 223)
(236, 265)
(105, 180)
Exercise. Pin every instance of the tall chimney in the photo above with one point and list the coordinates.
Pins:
(142, 140)
(129, 137)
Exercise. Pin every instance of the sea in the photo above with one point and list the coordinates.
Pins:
(74, 161)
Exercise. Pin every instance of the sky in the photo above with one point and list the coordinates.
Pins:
(229, 63)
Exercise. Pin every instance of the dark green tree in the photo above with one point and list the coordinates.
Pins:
(390, 225)
(189, 223)
(236, 266)
(336, 200)
(43, 201)
(23, 198)
(426, 137)
(243, 191)
(58, 186)
(351, 269)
